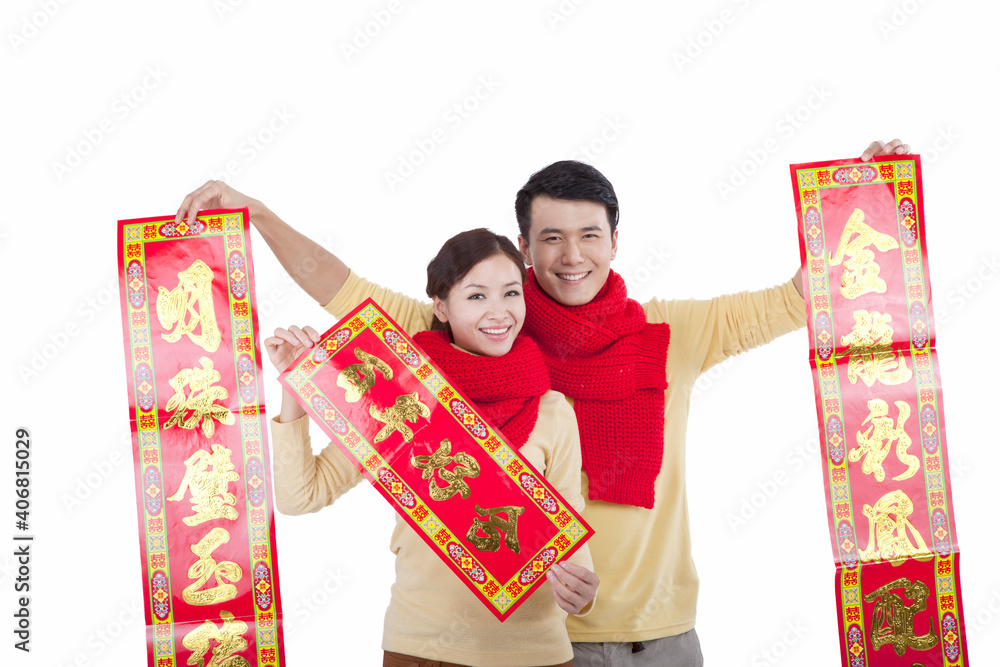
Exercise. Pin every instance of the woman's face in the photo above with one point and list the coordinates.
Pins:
(486, 308)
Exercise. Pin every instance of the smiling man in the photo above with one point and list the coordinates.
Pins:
(628, 369)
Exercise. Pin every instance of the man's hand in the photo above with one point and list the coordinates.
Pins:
(572, 585)
(894, 147)
(214, 194)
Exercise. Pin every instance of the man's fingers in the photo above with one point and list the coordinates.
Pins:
(312, 333)
(903, 149)
(891, 147)
(873, 149)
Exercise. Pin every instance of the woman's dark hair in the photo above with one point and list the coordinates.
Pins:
(459, 255)
(571, 180)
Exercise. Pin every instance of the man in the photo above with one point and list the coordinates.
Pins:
(608, 355)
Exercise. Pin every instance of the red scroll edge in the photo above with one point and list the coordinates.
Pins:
(206, 523)
(881, 418)
(549, 530)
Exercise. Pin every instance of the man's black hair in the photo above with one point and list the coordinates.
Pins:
(567, 179)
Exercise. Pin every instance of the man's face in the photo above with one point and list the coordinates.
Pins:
(571, 246)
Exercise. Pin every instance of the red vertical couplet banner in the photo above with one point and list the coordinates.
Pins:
(206, 525)
(881, 419)
(482, 508)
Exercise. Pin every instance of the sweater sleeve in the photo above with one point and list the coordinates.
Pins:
(708, 331)
(304, 482)
(412, 314)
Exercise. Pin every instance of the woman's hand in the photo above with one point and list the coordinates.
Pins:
(287, 344)
(573, 586)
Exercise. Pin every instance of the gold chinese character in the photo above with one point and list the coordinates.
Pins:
(229, 640)
(200, 401)
(189, 305)
(357, 379)
(860, 270)
(870, 348)
(407, 409)
(889, 531)
(491, 540)
(467, 467)
(874, 442)
(209, 496)
(205, 567)
(892, 621)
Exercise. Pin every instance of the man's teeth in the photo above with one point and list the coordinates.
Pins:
(496, 331)
(573, 276)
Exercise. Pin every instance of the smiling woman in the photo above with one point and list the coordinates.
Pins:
(477, 281)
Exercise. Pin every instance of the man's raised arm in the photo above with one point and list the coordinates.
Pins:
(317, 271)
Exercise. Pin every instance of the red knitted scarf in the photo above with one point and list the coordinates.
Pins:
(507, 389)
(606, 357)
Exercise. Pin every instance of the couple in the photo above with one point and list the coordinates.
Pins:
(628, 370)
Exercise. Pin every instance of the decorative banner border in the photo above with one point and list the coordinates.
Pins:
(202, 471)
(878, 398)
(398, 463)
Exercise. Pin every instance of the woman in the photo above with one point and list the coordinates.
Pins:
(476, 283)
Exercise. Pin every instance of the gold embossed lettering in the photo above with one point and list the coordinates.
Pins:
(210, 498)
(189, 306)
(875, 441)
(893, 621)
(870, 348)
(229, 640)
(466, 466)
(357, 379)
(860, 270)
(492, 526)
(200, 401)
(407, 409)
(889, 531)
(205, 567)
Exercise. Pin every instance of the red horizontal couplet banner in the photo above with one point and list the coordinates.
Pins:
(489, 515)
(206, 525)
(878, 397)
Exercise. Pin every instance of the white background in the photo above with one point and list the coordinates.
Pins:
(329, 125)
